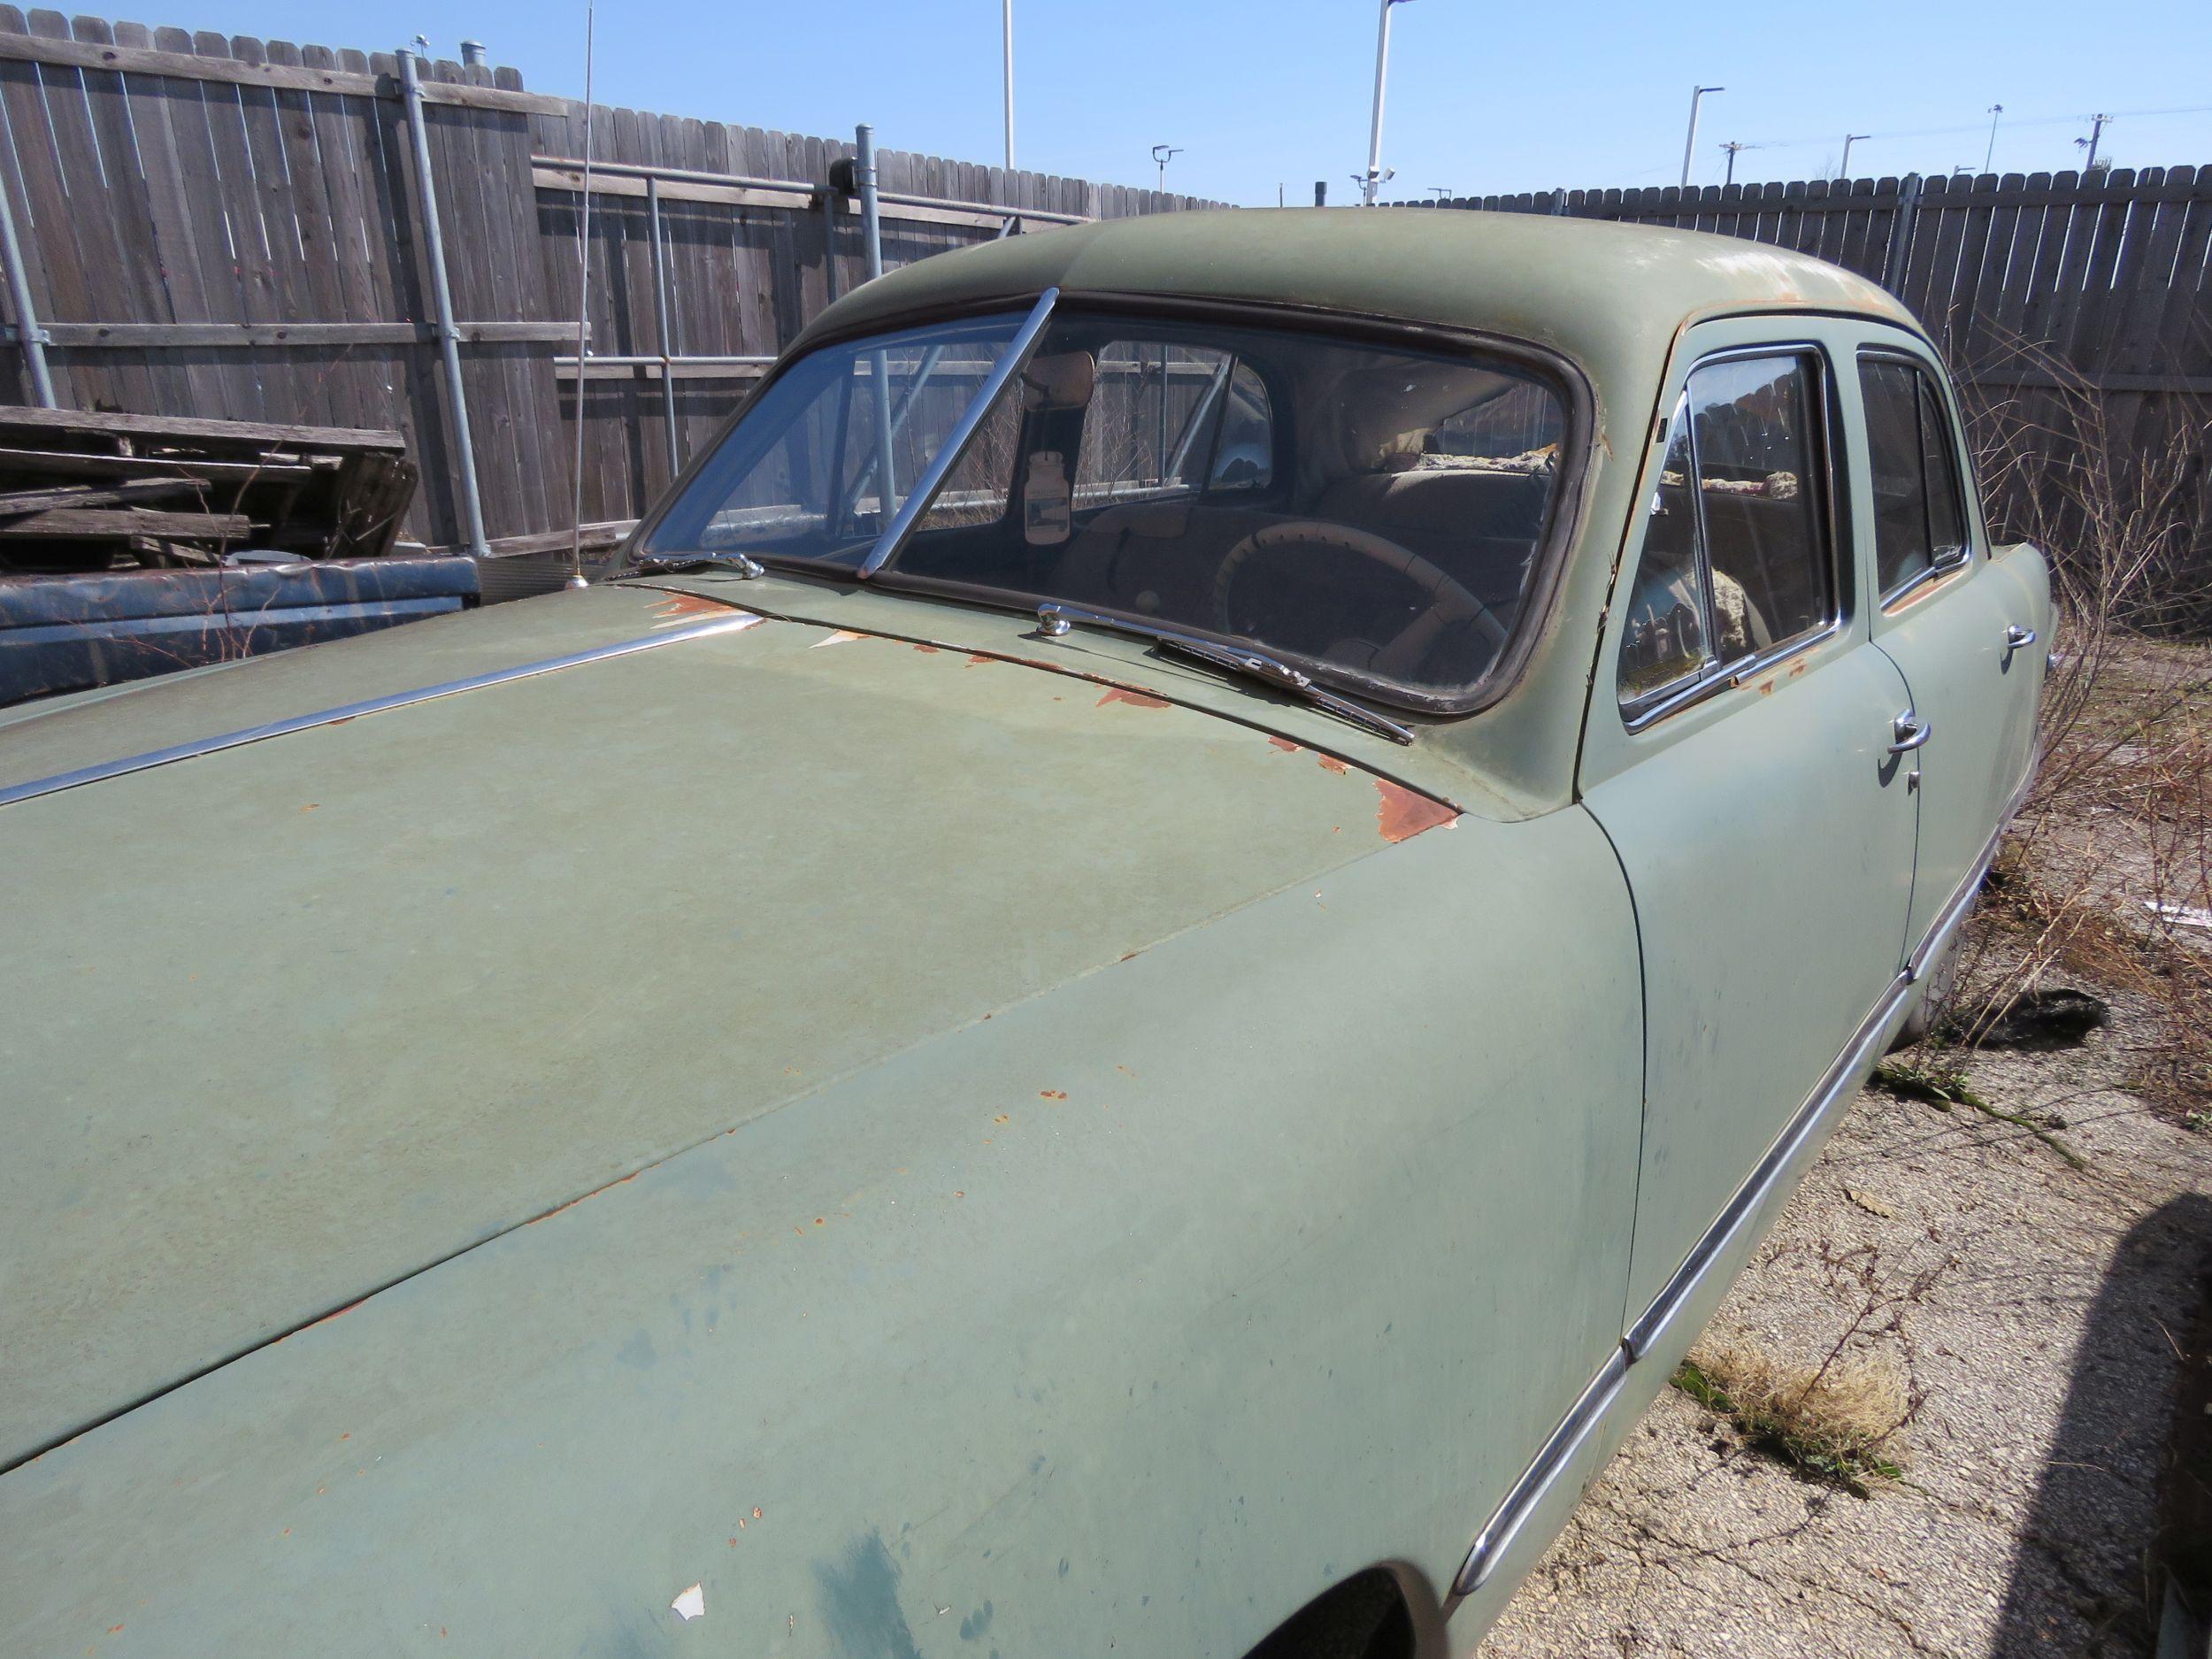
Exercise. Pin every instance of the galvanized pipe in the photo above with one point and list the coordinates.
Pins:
(747, 181)
(641, 360)
(660, 312)
(442, 298)
(879, 381)
(29, 334)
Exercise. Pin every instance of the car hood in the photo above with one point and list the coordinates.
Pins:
(292, 1021)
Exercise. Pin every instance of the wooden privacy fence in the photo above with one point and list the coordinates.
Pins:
(218, 227)
(2075, 310)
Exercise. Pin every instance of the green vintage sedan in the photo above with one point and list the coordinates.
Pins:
(1128, 989)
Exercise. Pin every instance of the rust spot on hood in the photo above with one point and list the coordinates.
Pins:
(1135, 699)
(1404, 813)
(680, 607)
(1330, 763)
(927, 651)
(1284, 744)
(976, 659)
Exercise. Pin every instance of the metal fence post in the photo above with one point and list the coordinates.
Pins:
(442, 298)
(660, 312)
(1900, 227)
(29, 334)
(879, 363)
(865, 182)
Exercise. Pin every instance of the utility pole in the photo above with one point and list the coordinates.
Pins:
(1850, 139)
(1371, 180)
(1990, 155)
(1439, 192)
(1006, 43)
(1163, 154)
(1697, 97)
(1731, 147)
(2096, 132)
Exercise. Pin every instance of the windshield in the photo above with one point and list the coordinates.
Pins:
(1365, 509)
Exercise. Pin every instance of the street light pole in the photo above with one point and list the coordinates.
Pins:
(1731, 147)
(1163, 154)
(1850, 139)
(1990, 155)
(1697, 97)
(2096, 132)
(1006, 41)
(1371, 181)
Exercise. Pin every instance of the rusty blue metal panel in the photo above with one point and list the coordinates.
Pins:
(62, 634)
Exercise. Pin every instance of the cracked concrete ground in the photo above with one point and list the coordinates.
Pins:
(2040, 1311)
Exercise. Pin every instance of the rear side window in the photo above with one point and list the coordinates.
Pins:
(1736, 558)
(1919, 508)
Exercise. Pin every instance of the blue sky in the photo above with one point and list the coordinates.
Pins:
(1482, 95)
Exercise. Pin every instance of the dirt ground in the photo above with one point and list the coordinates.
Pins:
(2050, 1313)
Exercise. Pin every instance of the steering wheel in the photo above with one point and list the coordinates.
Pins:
(1449, 601)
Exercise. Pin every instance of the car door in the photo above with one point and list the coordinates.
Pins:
(1738, 753)
(1960, 629)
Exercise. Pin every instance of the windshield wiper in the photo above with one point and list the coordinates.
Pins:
(744, 564)
(1053, 620)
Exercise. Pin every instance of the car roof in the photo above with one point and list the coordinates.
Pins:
(1599, 292)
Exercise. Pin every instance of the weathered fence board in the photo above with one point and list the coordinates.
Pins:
(2077, 312)
(229, 227)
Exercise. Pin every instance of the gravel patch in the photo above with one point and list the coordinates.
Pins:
(2040, 1312)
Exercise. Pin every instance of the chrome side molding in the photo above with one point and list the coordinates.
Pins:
(1587, 1413)
(1811, 1121)
(100, 773)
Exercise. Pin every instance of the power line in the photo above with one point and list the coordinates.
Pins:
(1976, 126)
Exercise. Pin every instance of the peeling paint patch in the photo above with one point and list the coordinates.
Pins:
(682, 607)
(691, 1604)
(1330, 763)
(1135, 699)
(976, 659)
(1284, 744)
(843, 636)
(926, 650)
(1405, 813)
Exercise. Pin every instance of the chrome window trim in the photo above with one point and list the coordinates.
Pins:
(192, 751)
(1727, 676)
(1961, 470)
(1811, 1120)
(955, 443)
(1895, 598)
(1686, 691)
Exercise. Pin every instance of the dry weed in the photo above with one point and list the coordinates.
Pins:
(2105, 877)
(1842, 1420)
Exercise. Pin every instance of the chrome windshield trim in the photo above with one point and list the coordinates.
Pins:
(940, 464)
(197, 747)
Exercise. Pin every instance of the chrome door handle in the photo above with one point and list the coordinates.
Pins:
(2017, 637)
(1909, 731)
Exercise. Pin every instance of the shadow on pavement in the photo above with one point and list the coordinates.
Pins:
(2124, 1492)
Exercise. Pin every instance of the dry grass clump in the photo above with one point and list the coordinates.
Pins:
(2106, 877)
(1841, 1421)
